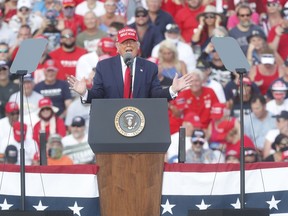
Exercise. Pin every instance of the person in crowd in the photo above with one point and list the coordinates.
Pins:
(49, 30)
(232, 156)
(7, 87)
(157, 16)
(283, 78)
(257, 43)
(219, 113)
(10, 9)
(31, 147)
(244, 28)
(49, 122)
(148, 34)
(186, 18)
(169, 64)
(197, 154)
(55, 151)
(265, 72)
(67, 55)
(89, 38)
(277, 36)
(95, 6)
(278, 103)
(110, 15)
(6, 34)
(108, 81)
(172, 6)
(282, 127)
(42, 7)
(68, 19)
(76, 144)
(259, 122)
(208, 21)
(25, 16)
(173, 34)
(57, 90)
(219, 72)
(197, 98)
(232, 93)
(4, 52)
(272, 16)
(191, 122)
(251, 155)
(11, 154)
(113, 30)
(233, 19)
(280, 145)
(204, 66)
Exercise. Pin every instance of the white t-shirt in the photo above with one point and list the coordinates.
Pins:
(82, 9)
(275, 109)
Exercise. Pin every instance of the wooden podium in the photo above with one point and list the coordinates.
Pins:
(131, 159)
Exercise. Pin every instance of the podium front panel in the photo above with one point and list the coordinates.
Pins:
(104, 136)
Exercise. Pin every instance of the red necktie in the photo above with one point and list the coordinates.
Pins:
(127, 83)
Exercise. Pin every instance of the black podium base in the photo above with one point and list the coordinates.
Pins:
(229, 212)
(36, 213)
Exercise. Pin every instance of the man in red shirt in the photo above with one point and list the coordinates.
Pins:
(198, 99)
(186, 18)
(67, 55)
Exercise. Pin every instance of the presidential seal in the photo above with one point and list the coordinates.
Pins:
(129, 121)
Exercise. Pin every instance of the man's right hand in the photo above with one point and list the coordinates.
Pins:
(78, 86)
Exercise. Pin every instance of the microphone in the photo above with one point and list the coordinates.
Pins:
(128, 58)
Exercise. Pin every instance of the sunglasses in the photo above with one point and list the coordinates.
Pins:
(244, 15)
(143, 15)
(24, 9)
(198, 142)
(270, 4)
(3, 50)
(45, 109)
(14, 113)
(67, 36)
(209, 16)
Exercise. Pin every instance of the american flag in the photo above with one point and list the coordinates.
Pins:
(185, 186)
(217, 186)
(48, 188)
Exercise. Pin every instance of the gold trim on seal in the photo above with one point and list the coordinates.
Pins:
(129, 121)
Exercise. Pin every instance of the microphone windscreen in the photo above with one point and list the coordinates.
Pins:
(128, 58)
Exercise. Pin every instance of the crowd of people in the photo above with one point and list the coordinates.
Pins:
(176, 36)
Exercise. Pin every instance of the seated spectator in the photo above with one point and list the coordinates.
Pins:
(191, 122)
(110, 15)
(280, 145)
(259, 122)
(173, 34)
(149, 34)
(7, 87)
(76, 144)
(31, 147)
(197, 154)
(55, 151)
(209, 19)
(278, 103)
(257, 43)
(90, 37)
(232, 156)
(169, 64)
(232, 90)
(282, 127)
(10, 9)
(95, 6)
(251, 155)
(49, 122)
(11, 154)
(68, 18)
(198, 99)
(57, 90)
(25, 16)
(265, 72)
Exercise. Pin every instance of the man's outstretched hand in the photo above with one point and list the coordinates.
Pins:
(181, 83)
(78, 86)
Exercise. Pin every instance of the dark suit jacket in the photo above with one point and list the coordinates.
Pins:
(108, 81)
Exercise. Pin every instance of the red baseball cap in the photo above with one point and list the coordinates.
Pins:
(225, 127)
(127, 33)
(17, 131)
(217, 111)
(11, 107)
(50, 64)
(108, 46)
(68, 3)
(46, 103)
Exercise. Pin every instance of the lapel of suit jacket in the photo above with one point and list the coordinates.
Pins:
(139, 78)
(116, 66)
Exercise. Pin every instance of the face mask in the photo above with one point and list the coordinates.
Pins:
(267, 59)
(173, 40)
(55, 153)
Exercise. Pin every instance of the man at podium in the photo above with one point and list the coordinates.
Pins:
(126, 75)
